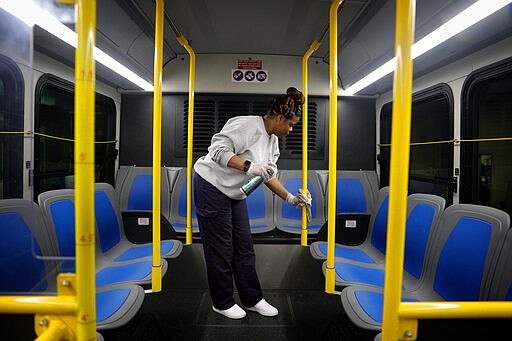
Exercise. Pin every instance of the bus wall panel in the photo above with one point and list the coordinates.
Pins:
(356, 127)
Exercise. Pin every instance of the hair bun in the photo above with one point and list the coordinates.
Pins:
(296, 95)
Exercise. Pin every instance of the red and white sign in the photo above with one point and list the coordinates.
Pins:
(250, 64)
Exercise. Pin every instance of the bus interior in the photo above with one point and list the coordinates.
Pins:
(227, 58)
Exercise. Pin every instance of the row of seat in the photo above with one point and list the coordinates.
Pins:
(356, 192)
(39, 242)
(461, 253)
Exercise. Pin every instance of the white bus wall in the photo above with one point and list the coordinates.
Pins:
(454, 75)
(213, 74)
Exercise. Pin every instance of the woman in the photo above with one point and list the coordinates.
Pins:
(247, 146)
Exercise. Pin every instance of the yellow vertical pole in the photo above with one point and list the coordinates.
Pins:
(399, 167)
(333, 140)
(190, 130)
(156, 273)
(85, 77)
(312, 48)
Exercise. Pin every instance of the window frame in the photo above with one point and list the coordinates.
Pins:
(13, 159)
(108, 169)
(469, 158)
(441, 90)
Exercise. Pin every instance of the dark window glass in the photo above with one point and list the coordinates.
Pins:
(11, 120)
(430, 168)
(487, 165)
(54, 151)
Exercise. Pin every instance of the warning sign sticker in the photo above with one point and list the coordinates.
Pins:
(249, 71)
(249, 76)
(250, 64)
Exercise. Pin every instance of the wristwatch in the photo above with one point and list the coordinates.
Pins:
(247, 165)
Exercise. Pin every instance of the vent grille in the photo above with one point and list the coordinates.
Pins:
(293, 142)
(204, 125)
(229, 109)
(211, 113)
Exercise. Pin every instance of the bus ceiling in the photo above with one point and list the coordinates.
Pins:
(256, 29)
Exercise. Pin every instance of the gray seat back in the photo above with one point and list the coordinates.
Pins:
(178, 210)
(464, 251)
(501, 283)
(24, 245)
(134, 189)
(288, 218)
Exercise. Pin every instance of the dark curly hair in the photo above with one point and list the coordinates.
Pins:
(288, 105)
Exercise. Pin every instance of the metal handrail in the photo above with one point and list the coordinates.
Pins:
(190, 132)
(333, 140)
(312, 48)
(156, 271)
(400, 320)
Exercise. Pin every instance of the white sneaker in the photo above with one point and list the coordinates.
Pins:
(235, 312)
(263, 308)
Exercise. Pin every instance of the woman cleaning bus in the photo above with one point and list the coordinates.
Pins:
(247, 146)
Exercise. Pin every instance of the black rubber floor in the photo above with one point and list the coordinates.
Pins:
(291, 279)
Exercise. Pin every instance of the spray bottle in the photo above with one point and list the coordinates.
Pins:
(253, 183)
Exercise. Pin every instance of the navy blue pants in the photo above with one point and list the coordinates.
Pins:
(228, 246)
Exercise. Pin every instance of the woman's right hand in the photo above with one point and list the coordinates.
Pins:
(266, 169)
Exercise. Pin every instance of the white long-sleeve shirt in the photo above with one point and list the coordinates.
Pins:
(244, 136)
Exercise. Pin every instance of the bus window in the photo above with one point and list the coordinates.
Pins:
(54, 155)
(11, 119)
(486, 174)
(431, 164)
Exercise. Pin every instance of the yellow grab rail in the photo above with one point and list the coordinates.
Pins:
(156, 272)
(85, 78)
(57, 305)
(439, 310)
(333, 138)
(312, 48)
(70, 314)
(399, 167)
(190, 133)
(56, 316)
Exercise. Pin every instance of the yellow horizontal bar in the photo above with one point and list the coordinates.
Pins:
(55, 305)
(435, 310)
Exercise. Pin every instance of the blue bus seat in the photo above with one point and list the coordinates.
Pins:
(178, 212)
(135, 196)
(24, 241)
(458, 266)
(355, 199)
(423, 215)
(372, 249)
(356, 191)
(288, 218)
(112, 240)
(28, 264)
(58, 209)
(134, 189)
